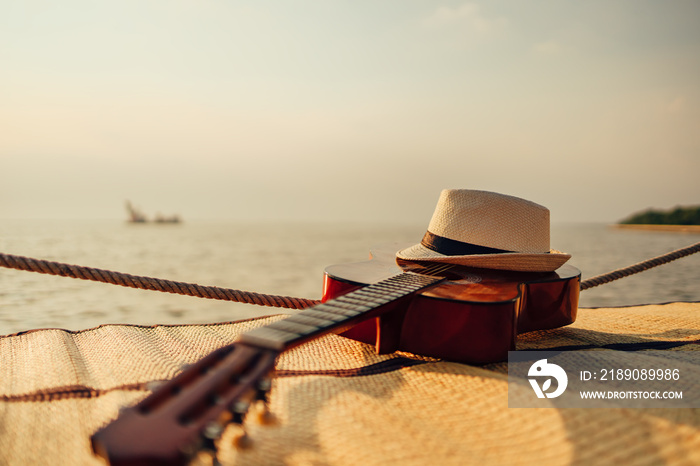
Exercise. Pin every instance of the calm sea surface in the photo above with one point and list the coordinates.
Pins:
(277, 258)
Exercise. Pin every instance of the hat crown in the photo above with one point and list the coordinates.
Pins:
(491, 220)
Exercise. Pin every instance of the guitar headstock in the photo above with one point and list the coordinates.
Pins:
(189, 412)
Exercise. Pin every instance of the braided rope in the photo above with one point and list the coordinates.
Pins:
(147, 283)
(227, 294)
(639, 267)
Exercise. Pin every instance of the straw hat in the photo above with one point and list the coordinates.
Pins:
(487, 230)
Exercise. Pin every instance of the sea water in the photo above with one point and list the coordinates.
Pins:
(276, 258)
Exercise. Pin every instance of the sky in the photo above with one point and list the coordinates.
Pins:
(358, 111)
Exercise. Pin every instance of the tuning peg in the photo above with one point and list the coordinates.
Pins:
(262, 413)
(262, 389)
(212, 432)
(240, 437)
(210, 435)
(206, 447)
(238, 410)
(261, 408)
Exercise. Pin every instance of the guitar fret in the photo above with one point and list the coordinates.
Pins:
(390, 293)
(415, 276)
(377, 300)
(354, 303)
(345, 313)
(353, 308)
(385, 290)
(306, 319)
(269, 338)
(365, 294)
(350, 310)
(385, 286)
(334, 309)
(388, 285)
(369, 293)
(293, 327)
(322, 315)
(412, 280)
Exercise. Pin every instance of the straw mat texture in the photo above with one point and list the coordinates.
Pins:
(337, 403)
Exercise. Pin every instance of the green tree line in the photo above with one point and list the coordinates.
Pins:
(676, 216)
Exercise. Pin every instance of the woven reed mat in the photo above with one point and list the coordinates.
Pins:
(338, 403)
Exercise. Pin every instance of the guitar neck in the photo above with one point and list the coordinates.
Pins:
(337, 313)
(177, 419)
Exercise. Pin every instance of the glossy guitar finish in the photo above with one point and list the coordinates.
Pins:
(473, 317)
(445, 311)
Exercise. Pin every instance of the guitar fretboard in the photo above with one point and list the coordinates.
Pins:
(337, 312)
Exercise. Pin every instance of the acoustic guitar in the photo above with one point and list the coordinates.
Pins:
(440, 310)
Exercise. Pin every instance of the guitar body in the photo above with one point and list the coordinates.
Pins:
(473, 317)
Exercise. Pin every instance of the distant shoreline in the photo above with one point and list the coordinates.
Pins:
(676, 228)
(676, 218)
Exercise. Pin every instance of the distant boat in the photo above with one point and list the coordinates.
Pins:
(136, 216)
(171, 219)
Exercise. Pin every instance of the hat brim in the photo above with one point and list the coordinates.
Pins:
(515, 261)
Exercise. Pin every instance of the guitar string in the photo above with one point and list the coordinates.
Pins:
(435, 269)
